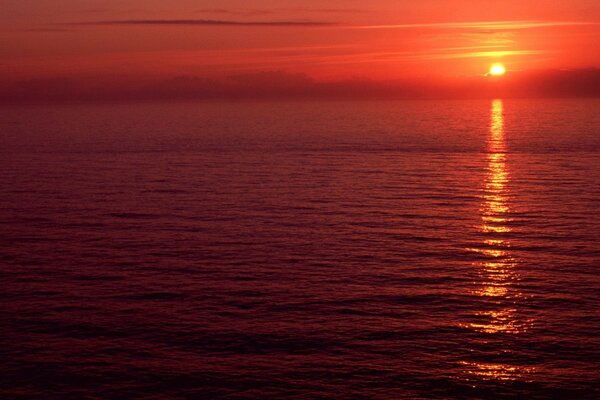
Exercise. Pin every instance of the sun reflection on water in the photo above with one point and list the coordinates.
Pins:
(498, 372)
(498, 268)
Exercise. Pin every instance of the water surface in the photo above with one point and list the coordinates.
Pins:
(418, 250)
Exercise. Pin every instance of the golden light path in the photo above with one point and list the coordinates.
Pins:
(498, 271)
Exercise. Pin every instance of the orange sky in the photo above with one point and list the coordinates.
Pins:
(380, 39)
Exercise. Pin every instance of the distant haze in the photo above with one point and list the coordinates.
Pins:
(277, 84)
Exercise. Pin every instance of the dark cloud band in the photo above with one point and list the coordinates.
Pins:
(203, 22)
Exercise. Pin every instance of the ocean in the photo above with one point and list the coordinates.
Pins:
(301, 250)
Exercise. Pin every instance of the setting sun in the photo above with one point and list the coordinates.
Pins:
(497, 70)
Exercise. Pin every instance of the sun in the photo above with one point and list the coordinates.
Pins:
(497, 70)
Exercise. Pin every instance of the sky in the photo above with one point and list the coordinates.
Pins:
(134, 42)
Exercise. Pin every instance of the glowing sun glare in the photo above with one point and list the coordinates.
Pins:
(497, 70)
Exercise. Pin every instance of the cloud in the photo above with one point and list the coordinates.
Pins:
(200, 22)
(484, 26)
(329, 10)
(234, 11)
(352, 54)
(255, 11)
(49, 30)
(478, 54)
(481, 27)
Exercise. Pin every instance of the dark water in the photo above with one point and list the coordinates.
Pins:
(394, 250)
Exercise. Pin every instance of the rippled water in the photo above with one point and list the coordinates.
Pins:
(418, 250)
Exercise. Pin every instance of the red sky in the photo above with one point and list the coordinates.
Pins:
(326, 40)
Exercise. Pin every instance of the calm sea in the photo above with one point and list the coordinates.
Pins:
(297, 250)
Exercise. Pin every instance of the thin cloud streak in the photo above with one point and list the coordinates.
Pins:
(197, 22)
(483, 25)
(237, 11)
(255, 12)
(328, 10)
(48, 30)
(302, 56)
(478, 54)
